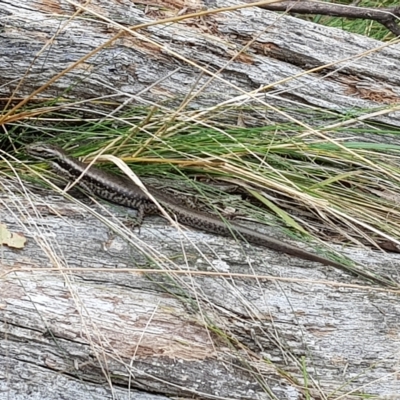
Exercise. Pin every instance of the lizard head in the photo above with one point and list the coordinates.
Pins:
(44, 151)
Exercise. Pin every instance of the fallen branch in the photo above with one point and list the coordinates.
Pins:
(387, 16)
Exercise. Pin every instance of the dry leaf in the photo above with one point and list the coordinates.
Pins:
(14, 240)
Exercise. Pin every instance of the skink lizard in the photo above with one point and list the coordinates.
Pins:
(123, 191)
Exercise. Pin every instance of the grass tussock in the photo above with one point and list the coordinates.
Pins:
(343, 189)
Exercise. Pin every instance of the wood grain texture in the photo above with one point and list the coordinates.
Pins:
(162, 63)
(96, 331)
(111, 328)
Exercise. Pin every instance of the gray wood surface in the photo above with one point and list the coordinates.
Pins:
(162, 64)
(75, 313)
(78, 321)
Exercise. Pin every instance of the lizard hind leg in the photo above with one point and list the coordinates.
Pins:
(138, 220)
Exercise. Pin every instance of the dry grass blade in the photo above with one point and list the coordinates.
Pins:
(215, 111)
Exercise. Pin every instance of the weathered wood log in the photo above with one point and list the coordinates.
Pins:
(73, 306)
(247, 49)
(78, 319)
